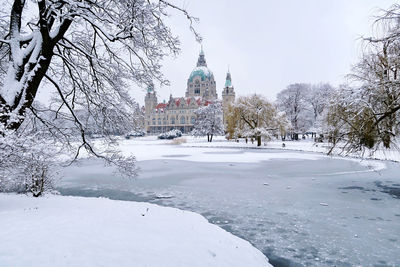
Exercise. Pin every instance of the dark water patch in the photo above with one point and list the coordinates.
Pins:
(227, 227)
(107, 193)
(278, 261)
(375, 199)
(352, 188)
(113, 194)
(381, 263)
(175, 156)
(206, 214)
(394, 191)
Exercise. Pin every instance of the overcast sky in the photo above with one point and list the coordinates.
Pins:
(270, 44)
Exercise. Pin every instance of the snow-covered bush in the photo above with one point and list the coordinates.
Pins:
(170, 135)
(26, 163)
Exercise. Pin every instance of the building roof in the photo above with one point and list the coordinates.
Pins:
(201, 69)
(228, 81)
(161, 105)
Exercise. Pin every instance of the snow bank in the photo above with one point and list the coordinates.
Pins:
(73, 231)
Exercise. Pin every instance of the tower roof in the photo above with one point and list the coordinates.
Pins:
(150, 88)
(228, 80)
(201, 61)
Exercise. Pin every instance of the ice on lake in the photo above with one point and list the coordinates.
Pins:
(300, 209)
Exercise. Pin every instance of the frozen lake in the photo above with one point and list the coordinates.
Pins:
(298, 208)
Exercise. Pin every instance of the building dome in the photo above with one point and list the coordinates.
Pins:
(201, 71)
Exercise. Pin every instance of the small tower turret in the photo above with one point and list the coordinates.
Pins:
(150, 100)
(201, 62)
(228, 94)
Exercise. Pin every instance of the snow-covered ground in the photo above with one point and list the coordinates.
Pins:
(308, 145)
(150, 148)
(301, 145)
(74, 231)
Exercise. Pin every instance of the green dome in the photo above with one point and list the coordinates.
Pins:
(203, 72)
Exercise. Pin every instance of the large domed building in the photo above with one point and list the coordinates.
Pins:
(179, 112)
(201, 81)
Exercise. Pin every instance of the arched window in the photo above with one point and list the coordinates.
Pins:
(172, 120)
(192, 119)
(197, 91)
(159, 121)
(154, 121)
(182, 120)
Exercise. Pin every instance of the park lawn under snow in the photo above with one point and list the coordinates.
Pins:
(74, 231)
(199, 150)
(307, 145)
(150, 147)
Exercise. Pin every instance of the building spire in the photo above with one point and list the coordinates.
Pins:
(201, 62)
(150, 88)
(228, 80)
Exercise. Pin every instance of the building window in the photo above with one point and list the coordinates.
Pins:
(192, 119)
(197, 91)
(159, 121)
(182, 120)
(172, 120)
(154, 121)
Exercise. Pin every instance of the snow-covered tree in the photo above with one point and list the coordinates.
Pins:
(365, 114)
(294, 102)
(254, 116)
(319, 97)
(209, 121)
(90, 53)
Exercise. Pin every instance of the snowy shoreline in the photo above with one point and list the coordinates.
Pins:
(75, 231)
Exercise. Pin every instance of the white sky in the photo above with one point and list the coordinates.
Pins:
(269, 44)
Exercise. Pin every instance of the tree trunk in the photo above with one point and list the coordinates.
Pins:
(211, 138)
(28, 65)
(208, 138)
(258, 140)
